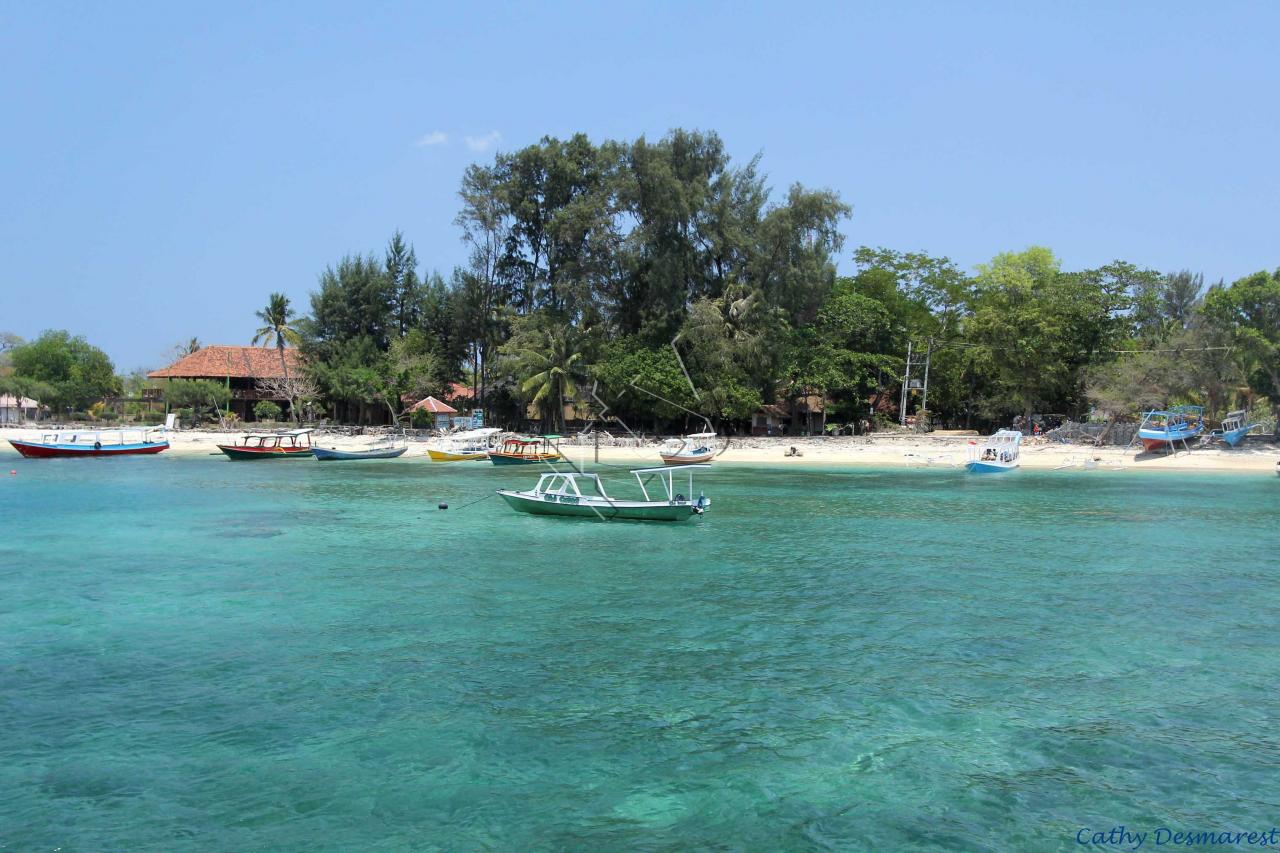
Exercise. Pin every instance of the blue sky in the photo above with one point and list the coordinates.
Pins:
(165, 166)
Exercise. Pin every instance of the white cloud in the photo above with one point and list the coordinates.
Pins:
(435, 137)
(483, 143)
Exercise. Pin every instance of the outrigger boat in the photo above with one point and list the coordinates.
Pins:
(112, 442)
(998, 454)
(469, 446)
(526, 451)
(285, 444)
(390, 451)
(571, 493)
(692, 449)
(1234, 429)
(1164, 429)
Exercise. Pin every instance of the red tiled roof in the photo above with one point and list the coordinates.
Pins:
(458, 391)
(221, 362)
(431, 404)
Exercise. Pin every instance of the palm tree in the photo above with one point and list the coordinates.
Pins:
(276, 317)
(553, 365)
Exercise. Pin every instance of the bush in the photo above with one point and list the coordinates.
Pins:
(266, 410)
(108, 416)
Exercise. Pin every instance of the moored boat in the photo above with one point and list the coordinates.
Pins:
(1163, 430)
(574, 494)
(469, 446)
(695, 449)
(285, 444)
(526, 451)
(94, 443)
(329, 454)
(999, 453)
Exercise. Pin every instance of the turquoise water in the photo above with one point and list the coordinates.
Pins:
(199, 654)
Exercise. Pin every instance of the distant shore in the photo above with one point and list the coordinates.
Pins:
(877, 451)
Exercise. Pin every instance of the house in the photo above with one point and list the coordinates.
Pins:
(240, 368)
(442, 411)
(804, 414)
(16, 410)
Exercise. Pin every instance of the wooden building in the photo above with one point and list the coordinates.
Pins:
(239, 368)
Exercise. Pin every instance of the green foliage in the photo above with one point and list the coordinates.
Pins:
(66, 371)
(267, 410)
(197, 399)
(1249, 313)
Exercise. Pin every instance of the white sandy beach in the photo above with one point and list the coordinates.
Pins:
(878, 451)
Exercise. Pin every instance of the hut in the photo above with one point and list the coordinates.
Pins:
(442, 411)
(16, 410)
(241, 368)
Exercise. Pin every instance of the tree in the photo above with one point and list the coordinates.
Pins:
(1249, 311)
(205, 398)
(548, 361)
(72, 372)
(277, 317)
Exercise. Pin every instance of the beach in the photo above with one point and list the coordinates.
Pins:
(877, 451)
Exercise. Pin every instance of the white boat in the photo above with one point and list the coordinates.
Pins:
(999, 453)
(570, 493)
(470, 446)
(695, 449)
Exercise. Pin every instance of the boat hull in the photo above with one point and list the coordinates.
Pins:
(690, 459)
(451, 456)
(574, 507)
(978, 467)
(1160, 440)
(1235, 436)
(35, 450)
(245, 453)
(523, 458)
(325, 454)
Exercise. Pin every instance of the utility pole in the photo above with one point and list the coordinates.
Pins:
(924, 400)
(906, 382)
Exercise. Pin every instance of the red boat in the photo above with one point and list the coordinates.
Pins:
(288, 444)
(119, 442)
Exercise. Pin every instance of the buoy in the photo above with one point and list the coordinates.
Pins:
(13, 473)
(442, 505)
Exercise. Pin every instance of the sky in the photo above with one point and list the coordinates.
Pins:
(165, 166)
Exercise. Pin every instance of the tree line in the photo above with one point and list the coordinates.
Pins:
(663, 283)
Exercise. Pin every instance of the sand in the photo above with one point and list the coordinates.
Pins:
(878, 451)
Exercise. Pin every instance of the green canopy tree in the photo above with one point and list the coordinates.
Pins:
(277, 319)
(72, 372)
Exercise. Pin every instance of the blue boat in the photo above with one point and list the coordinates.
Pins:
(1163, 429)
(1234, 429)
(998, 454)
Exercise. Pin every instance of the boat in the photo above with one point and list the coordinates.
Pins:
(1164, 429)
(327, 454)
(469, 446)
(692, 449)
(1234, 428)
(575, 494)
(285, 444)
(520, 450)
(999, 453)
(94, 443)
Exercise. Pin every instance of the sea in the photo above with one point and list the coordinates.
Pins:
(204, 654)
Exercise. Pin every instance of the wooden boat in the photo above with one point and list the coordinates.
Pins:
(1234, 428)
(579, 495)
(285, 444)
(94, 443)
(327, 454)
(526, 451)
(999, 453)
(692, 449)
(469, 446)
(1161, 430)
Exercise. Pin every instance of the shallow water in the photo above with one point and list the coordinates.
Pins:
(196, 653)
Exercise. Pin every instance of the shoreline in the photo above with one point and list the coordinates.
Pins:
(880, 451)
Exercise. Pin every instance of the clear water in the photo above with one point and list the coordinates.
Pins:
(199, 654)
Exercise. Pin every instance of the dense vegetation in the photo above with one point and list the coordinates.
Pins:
(661, 279)
(666, 283)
